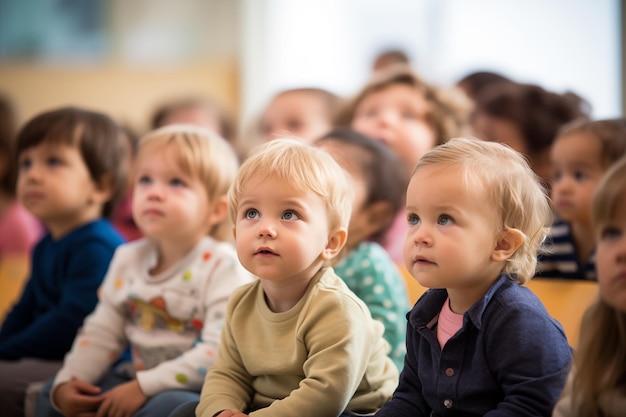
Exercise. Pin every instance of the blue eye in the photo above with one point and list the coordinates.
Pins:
(25, 163)
(412, 219)
(445, 220)
(290, 215)
(53, 161)
(252, 214)
(144, 179)
(177, 182)
(611, 232)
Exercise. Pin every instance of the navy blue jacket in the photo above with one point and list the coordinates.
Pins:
(510, 358)
(60, 292)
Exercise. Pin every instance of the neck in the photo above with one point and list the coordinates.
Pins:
(169, 253)
(584, 240)
(282, 295)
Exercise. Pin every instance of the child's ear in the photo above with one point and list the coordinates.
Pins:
(219, 210)
(103, 190)
(336, 241)
(508, 242)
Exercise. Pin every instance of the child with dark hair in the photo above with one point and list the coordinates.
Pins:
(71, 174)
(526, 117)
(379, 181)
(581, 154)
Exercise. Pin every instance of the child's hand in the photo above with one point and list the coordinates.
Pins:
(77, 398)
(122, 401)
(231, 413)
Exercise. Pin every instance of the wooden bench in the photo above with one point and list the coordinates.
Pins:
(566, 300)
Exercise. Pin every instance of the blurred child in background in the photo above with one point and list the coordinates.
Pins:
(164, 295)
(19, 229)
(478, 343)
(303, 113)
(527, 118)
(71, 174)
(581, 154)
(596, 386)
(379, 181)
(410, 116)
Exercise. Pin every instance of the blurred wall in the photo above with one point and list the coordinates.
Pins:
(157, 50)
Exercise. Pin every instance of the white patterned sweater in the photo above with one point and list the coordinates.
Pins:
(172, 321)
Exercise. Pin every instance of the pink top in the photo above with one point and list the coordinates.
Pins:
(19, 230)
(449, 323)
(393, 241)
(123, 220)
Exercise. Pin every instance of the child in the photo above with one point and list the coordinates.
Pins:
(379, 181)
(410, 116)
(526, 117)
(596, 385)
(71, 174)
(19, 229)
(164, 295)
(478, 343)
(297, 341)
(582, 152)
(305, 113)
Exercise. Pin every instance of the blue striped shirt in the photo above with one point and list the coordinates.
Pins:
(561, 259)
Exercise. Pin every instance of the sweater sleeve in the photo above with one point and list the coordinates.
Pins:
(100, 341)
(59, 324)
(188, 370)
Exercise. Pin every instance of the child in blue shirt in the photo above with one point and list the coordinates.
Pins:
(72, 171)
(478, 342)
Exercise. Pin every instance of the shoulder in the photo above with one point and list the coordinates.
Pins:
(100, 232)
(330, 293)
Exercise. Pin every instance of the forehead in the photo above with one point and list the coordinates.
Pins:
(443, 185)
(397, 93)
(577, 147)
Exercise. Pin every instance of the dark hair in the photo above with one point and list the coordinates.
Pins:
(611, 133)
(537, 112)
(475, 82)
(386, 177)
(102, 143)
(7, 144)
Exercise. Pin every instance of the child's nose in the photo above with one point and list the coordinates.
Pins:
(422, 235)
(267, 229)
(155, 191)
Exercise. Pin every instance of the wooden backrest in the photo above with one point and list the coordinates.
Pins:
(566, 300)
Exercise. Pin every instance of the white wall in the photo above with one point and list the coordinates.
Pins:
(559, 44)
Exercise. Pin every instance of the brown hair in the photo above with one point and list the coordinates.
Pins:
(611, 133)
(448, 110)
(102, 143)
(7, 144)
(537, 112)
(601, 353)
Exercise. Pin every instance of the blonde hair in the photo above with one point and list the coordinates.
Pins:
(601, 353)
(504, 177)
(304, 167)
(448, 110)
(201, 154)
(610, 133)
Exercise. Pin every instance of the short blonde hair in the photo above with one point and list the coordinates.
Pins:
(201, 154)
(304, 167)
(509, 184)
